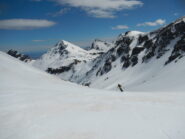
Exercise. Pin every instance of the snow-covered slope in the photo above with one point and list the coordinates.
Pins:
(35, 105)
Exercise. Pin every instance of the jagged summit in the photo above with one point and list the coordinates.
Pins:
(61, 54)
(133, 33)
(67, 47)
(182, 19)
(130, 34)
(100, 46)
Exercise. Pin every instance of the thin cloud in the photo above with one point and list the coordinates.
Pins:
(60, 12)
(36, 0)
(88, 42)
(176, 14)
(98, 13)
(155, 23)
(100, 8)
(25, 24)
(29, 48)
(39, 40)
(119, 27)
(125, 14)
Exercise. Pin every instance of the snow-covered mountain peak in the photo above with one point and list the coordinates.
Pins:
(66, 59)
(182, 19)
(62, 44)
(129, 38)
(67, 47)
(62, 54)
(133, 33)
(130, 34)
(101, 46)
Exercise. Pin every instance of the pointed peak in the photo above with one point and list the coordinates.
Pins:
(133, 33)
(130, 34)
(180, 19)
(100, 45)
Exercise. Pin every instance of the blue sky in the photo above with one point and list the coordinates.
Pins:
(36, 25)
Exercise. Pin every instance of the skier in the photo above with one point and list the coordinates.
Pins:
(120, 87)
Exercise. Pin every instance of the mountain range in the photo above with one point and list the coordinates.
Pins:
(135, 59)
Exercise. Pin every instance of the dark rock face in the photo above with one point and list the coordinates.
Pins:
(142, 39)
(158, 45)
(134, 60)
(150, 50)
(106, 68)
(178, 51)
(124, 41)
(129, 59)
(63, 68)
(21, 57)
(58, 70)
(126, 63)
(137, 50)
(122, 50)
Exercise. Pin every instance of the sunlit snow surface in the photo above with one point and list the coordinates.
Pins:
(35, 105)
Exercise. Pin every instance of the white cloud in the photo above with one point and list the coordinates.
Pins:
(98, 13)
(120, 27)
(155, 23)
(24, 24)
(100, 8)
